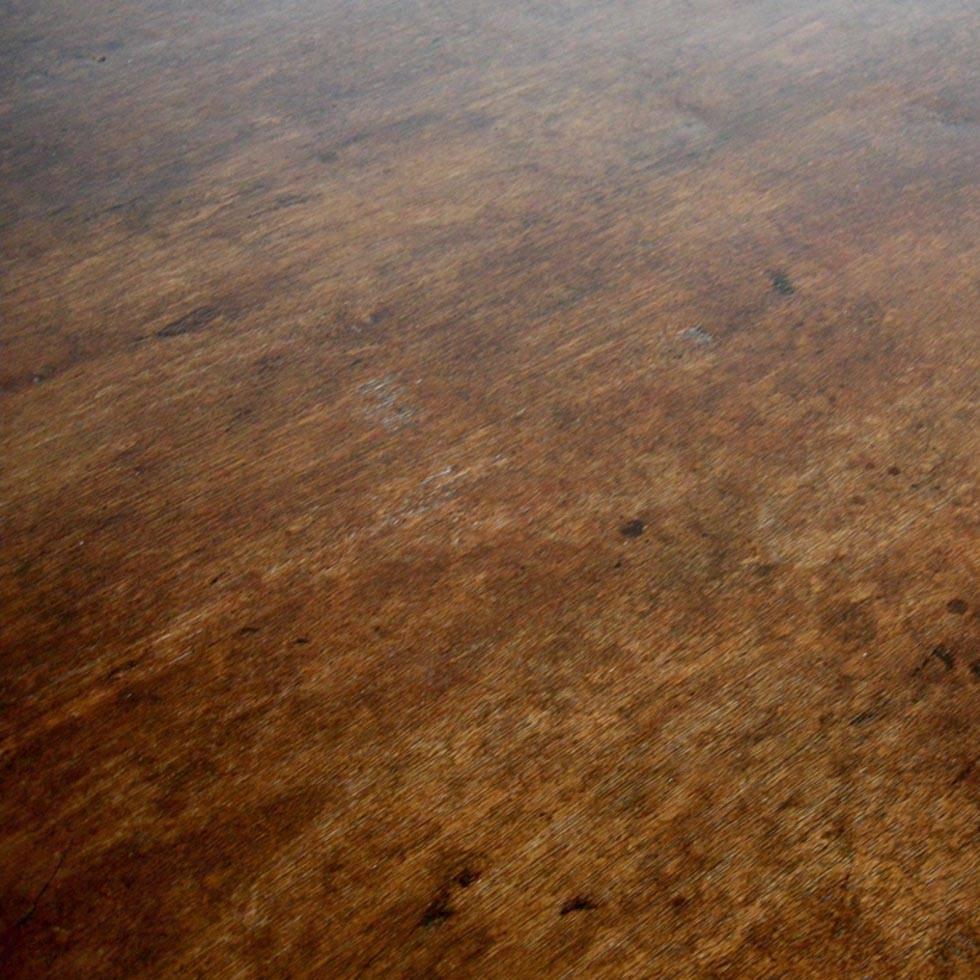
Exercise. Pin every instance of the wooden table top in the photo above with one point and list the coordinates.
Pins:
(490, 490)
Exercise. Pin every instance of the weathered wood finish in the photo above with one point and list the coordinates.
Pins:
(489, 489)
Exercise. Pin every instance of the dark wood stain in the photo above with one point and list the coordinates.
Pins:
(489, 489)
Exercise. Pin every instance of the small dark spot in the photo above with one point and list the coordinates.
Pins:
(781, 283)
(326, 156)
(215, 579)
(580, 903)
(975, 668)
(791, 801)
(373, 317)
(437, 911)
(266, 365)
(956, 606)
(633, 528)
(123, 668)
(857, 500)
(965, 772)
(248, 630)
(943, 654)
(288, 200)
(190, 322)
(467, 877)
(865, 716)
(679, 902)
(893, 471)
(301, 640)
(618, 563)
(100, 58)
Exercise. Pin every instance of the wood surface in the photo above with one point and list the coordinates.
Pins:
(490, 489)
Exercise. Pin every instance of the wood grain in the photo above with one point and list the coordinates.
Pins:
(490, 489)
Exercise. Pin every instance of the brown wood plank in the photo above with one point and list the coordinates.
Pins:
(489, 489)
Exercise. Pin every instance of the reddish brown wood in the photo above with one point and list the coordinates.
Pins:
(489, 489)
